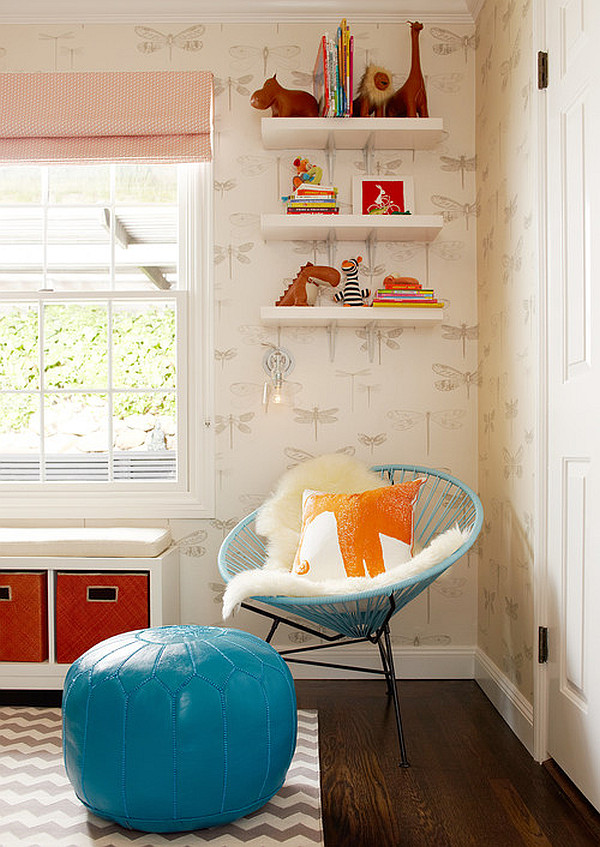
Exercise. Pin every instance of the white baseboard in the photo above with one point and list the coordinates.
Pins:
(516, 710)
(431, 663)
(410, 662)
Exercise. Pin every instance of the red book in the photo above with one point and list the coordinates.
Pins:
(401, 282)
(309, 190)
(321, 78)
(307, 211)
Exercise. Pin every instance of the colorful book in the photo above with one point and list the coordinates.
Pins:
(301, 211)
(413, 304)
(311, 188)
(333, 72)
(345, 42)
(404, 299)
(312, 198)
(406, 295)
(339, 50)
(317, 204)
(406, 292)
(350, 74)
(401, 282)
(332, 79)
(321, 77)
(347, 78)
(404, 302)
(394, 288)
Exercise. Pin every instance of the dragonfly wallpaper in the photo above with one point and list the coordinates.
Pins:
(394, 394)
(507, 302)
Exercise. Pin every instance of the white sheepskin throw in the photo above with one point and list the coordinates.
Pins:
(280, 517)
(269, 582)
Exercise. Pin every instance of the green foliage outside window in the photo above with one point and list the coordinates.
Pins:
(76, 356)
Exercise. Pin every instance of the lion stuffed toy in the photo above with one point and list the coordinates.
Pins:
(374, 90)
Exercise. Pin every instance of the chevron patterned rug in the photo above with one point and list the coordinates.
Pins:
(38, 807)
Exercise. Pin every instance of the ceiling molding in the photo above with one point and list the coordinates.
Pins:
(225, 11)
(475, 7)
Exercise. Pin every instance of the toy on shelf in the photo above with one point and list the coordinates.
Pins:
(309, 196)
(410, 101)
(303, 289)
(374, 90)
(306, 172)
(405, 291)
(284, 102)
(352, 294)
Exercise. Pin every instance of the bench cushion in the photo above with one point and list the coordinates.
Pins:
(95, 542)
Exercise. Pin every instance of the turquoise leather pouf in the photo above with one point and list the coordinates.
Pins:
(178, 727)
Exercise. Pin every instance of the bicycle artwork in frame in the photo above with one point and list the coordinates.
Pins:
(387, 195)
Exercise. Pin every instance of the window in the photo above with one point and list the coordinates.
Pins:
(105, 340)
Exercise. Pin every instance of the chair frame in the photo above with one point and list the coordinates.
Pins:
(443, 502)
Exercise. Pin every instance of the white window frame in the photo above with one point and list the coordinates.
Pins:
(193, 494)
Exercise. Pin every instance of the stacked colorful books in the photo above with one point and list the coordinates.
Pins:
(332, 76)
(313, 199)
(406, 291)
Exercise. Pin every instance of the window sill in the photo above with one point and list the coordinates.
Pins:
(113, 505)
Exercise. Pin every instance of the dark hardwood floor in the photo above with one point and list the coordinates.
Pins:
(470, 784)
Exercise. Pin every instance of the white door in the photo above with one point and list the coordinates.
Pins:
(573, 325)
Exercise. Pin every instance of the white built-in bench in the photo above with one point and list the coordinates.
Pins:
(62, 588)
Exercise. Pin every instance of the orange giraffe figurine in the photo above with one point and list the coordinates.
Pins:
(410, 101)
(360, 519)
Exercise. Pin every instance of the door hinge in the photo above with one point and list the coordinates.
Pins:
(542, 70)
(542, 644)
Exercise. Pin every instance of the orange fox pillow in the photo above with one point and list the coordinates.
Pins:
(356, 534)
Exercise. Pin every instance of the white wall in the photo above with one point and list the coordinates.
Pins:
(377, 410)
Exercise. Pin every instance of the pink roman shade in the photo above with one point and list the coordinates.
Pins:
(74, 117)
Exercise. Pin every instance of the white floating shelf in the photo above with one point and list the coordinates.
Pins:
(350, 227)
(351, 133)
(348, 315)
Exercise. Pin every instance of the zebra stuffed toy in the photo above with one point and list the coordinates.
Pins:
(352, 294)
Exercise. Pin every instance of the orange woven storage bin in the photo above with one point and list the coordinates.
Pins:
(23, 616)
(93, 606)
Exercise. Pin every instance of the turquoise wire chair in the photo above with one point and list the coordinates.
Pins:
(443, 502)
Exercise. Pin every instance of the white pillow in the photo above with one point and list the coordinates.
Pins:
(280, 517)
(356, 535)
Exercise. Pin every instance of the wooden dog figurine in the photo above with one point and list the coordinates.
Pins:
(410, 101)
(284, 102)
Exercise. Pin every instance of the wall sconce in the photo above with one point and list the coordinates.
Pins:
(277, 363)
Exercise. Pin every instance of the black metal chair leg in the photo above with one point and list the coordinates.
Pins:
(384, 665)
(390, 662)
(271, 632)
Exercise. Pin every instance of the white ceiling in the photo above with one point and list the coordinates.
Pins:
(135, 11)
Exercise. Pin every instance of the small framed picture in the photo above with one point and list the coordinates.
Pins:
(388, 195)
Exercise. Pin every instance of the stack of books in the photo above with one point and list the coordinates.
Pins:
(332, 76)
(405, 291)
(312, 198)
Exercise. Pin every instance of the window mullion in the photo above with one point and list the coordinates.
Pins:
(45, 198)
(45, 177)
(42, 388)
(113, 225)
(110, 387)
